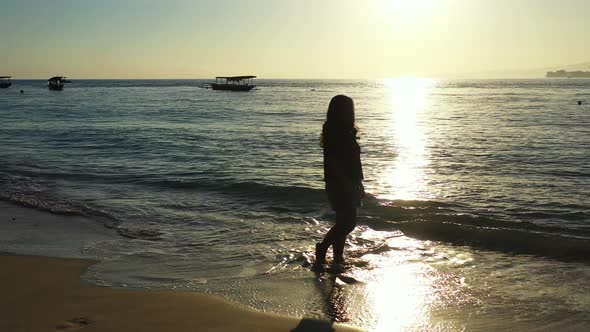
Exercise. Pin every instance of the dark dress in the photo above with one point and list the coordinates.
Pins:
(343, 171)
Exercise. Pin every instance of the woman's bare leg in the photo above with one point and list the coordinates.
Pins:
(336, 236)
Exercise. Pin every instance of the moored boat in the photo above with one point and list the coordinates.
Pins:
(57, 83)
(5, 82)
(233, 83)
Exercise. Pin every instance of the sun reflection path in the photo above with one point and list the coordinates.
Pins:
(405, 178)
(398, 292)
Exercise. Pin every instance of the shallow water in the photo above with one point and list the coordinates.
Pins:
(479, 194)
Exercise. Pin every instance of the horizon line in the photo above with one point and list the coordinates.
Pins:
(300, 78)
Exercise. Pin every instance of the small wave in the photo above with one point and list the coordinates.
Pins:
(517, 241)
(423, 219)
(565, 173)
(25, 192)
(441, 221)
(448, 224)
(141, 234)
(568, 216)
(249, 190)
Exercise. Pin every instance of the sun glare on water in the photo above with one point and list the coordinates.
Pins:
(405, 177)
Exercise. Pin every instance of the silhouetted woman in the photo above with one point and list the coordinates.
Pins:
(343, 175)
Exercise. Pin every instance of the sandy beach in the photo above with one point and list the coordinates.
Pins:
(47, 294)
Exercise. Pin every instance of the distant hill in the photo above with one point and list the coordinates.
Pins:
(523, 73)
(568, 74)
(581, 70)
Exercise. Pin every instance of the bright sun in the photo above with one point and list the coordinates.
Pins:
(409, 9)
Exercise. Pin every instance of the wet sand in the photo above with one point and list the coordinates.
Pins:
(47, 294)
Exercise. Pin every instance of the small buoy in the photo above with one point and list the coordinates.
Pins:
(22, 91)
(579, 102)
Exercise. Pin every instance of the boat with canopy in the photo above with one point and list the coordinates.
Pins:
(5, 82)
(233, 83)
(57, 83)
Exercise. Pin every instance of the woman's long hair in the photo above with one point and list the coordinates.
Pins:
(339, 120)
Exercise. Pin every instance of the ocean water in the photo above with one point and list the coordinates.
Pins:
(478, 214)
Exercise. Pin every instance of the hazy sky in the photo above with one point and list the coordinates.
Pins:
(288, 38)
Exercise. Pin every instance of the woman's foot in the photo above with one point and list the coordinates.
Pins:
(320, 254)
(338, 267)
(339, 260)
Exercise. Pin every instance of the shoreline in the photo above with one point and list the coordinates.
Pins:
(34, 232)
(45, 293)
(42, 288)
